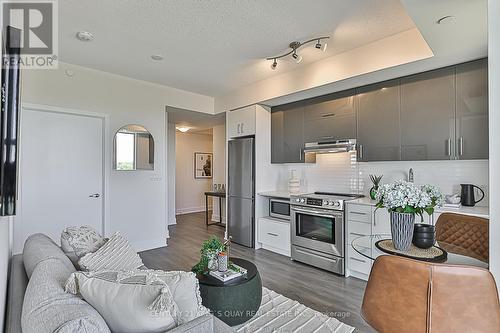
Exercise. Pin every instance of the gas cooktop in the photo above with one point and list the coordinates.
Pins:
(325, 200)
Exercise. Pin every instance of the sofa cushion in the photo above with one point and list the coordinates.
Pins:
(129, 303)
(116, 254)
(39, 247)
(78, 241)
(48, 308)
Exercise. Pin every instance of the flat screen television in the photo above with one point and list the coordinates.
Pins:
(9, 119)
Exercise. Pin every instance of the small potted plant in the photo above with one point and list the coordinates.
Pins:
(210, 250)
(404, 200)
(376, 183)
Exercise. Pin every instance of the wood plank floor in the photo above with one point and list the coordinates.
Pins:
(320, 290)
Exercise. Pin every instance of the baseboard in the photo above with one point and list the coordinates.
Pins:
(172, 221)
(188, 210)
(149, 244)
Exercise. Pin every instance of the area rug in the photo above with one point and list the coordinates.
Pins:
(278, 313)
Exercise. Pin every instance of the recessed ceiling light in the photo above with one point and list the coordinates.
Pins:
(157, 57)
(446, 19)
(183, 129)
(84, 36)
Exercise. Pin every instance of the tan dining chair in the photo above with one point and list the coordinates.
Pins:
(464, 234)
(405, 295)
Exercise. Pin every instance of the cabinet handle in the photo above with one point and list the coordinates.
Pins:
(356, 259)
(356, 234)
(327, 115)
(360, 151)
(448, 147)
(460, 146)
(239, 128)
(242, 127)
(300, 154)
(357, 213)
(271, 234)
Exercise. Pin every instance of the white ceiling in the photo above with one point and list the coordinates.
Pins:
(197, 122)
(214, 47)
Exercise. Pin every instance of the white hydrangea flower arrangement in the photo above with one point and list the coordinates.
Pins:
(405, 197)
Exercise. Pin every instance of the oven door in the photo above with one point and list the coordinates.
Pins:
(318, 229)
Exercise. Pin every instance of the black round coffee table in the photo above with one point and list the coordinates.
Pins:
(235, 301)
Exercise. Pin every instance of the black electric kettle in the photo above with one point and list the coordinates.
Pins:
(467, 195)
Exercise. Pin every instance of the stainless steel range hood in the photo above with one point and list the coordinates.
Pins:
(332, 146)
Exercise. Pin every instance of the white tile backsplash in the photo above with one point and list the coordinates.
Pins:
(342, 173)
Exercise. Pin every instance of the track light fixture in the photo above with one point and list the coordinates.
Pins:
(294, 48)
(274, 64)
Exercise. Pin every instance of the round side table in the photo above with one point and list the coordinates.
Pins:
(235, 301)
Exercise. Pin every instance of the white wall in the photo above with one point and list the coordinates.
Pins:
(219, 163)
(341, 173)
(171, 174)
(189, 192)
(494, 123)
(137, 200)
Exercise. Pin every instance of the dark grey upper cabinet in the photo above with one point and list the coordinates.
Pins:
(330, 117)
(287, 140)
(472, 110)
(378, 122)
(428, 115)
(277, 137)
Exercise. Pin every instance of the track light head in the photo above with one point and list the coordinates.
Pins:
(320, 46)
(274, 64)
(297, 57)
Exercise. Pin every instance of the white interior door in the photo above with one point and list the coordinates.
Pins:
(61, 174)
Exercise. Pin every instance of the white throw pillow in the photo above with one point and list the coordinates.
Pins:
(115, 254)
(128, 304)
(78, 241)
(184, 287)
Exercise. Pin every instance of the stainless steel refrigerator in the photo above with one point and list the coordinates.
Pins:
(241, 188)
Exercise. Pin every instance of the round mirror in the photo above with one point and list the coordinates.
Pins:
(134, 149)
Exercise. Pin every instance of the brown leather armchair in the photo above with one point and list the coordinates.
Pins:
(464, 234)
(411, 296)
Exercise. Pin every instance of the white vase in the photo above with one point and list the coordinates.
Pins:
(293, 182)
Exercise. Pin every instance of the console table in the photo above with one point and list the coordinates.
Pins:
(220, 195)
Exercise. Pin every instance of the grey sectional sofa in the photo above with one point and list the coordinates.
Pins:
(44, 258)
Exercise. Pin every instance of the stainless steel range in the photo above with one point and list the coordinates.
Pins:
(317, 226)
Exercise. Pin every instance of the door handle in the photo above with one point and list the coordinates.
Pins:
(95, 195)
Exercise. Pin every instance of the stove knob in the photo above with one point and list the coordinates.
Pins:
(331, 203)
(336, 204)
(325, 202)
(297, 200)
(302, 200)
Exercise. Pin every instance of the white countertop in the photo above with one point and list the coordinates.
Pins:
(276, 194)
(475, 211)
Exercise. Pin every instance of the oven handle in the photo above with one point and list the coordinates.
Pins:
(316, 212)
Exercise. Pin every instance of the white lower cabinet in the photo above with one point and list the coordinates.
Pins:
(274, 235)
(362, 221)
